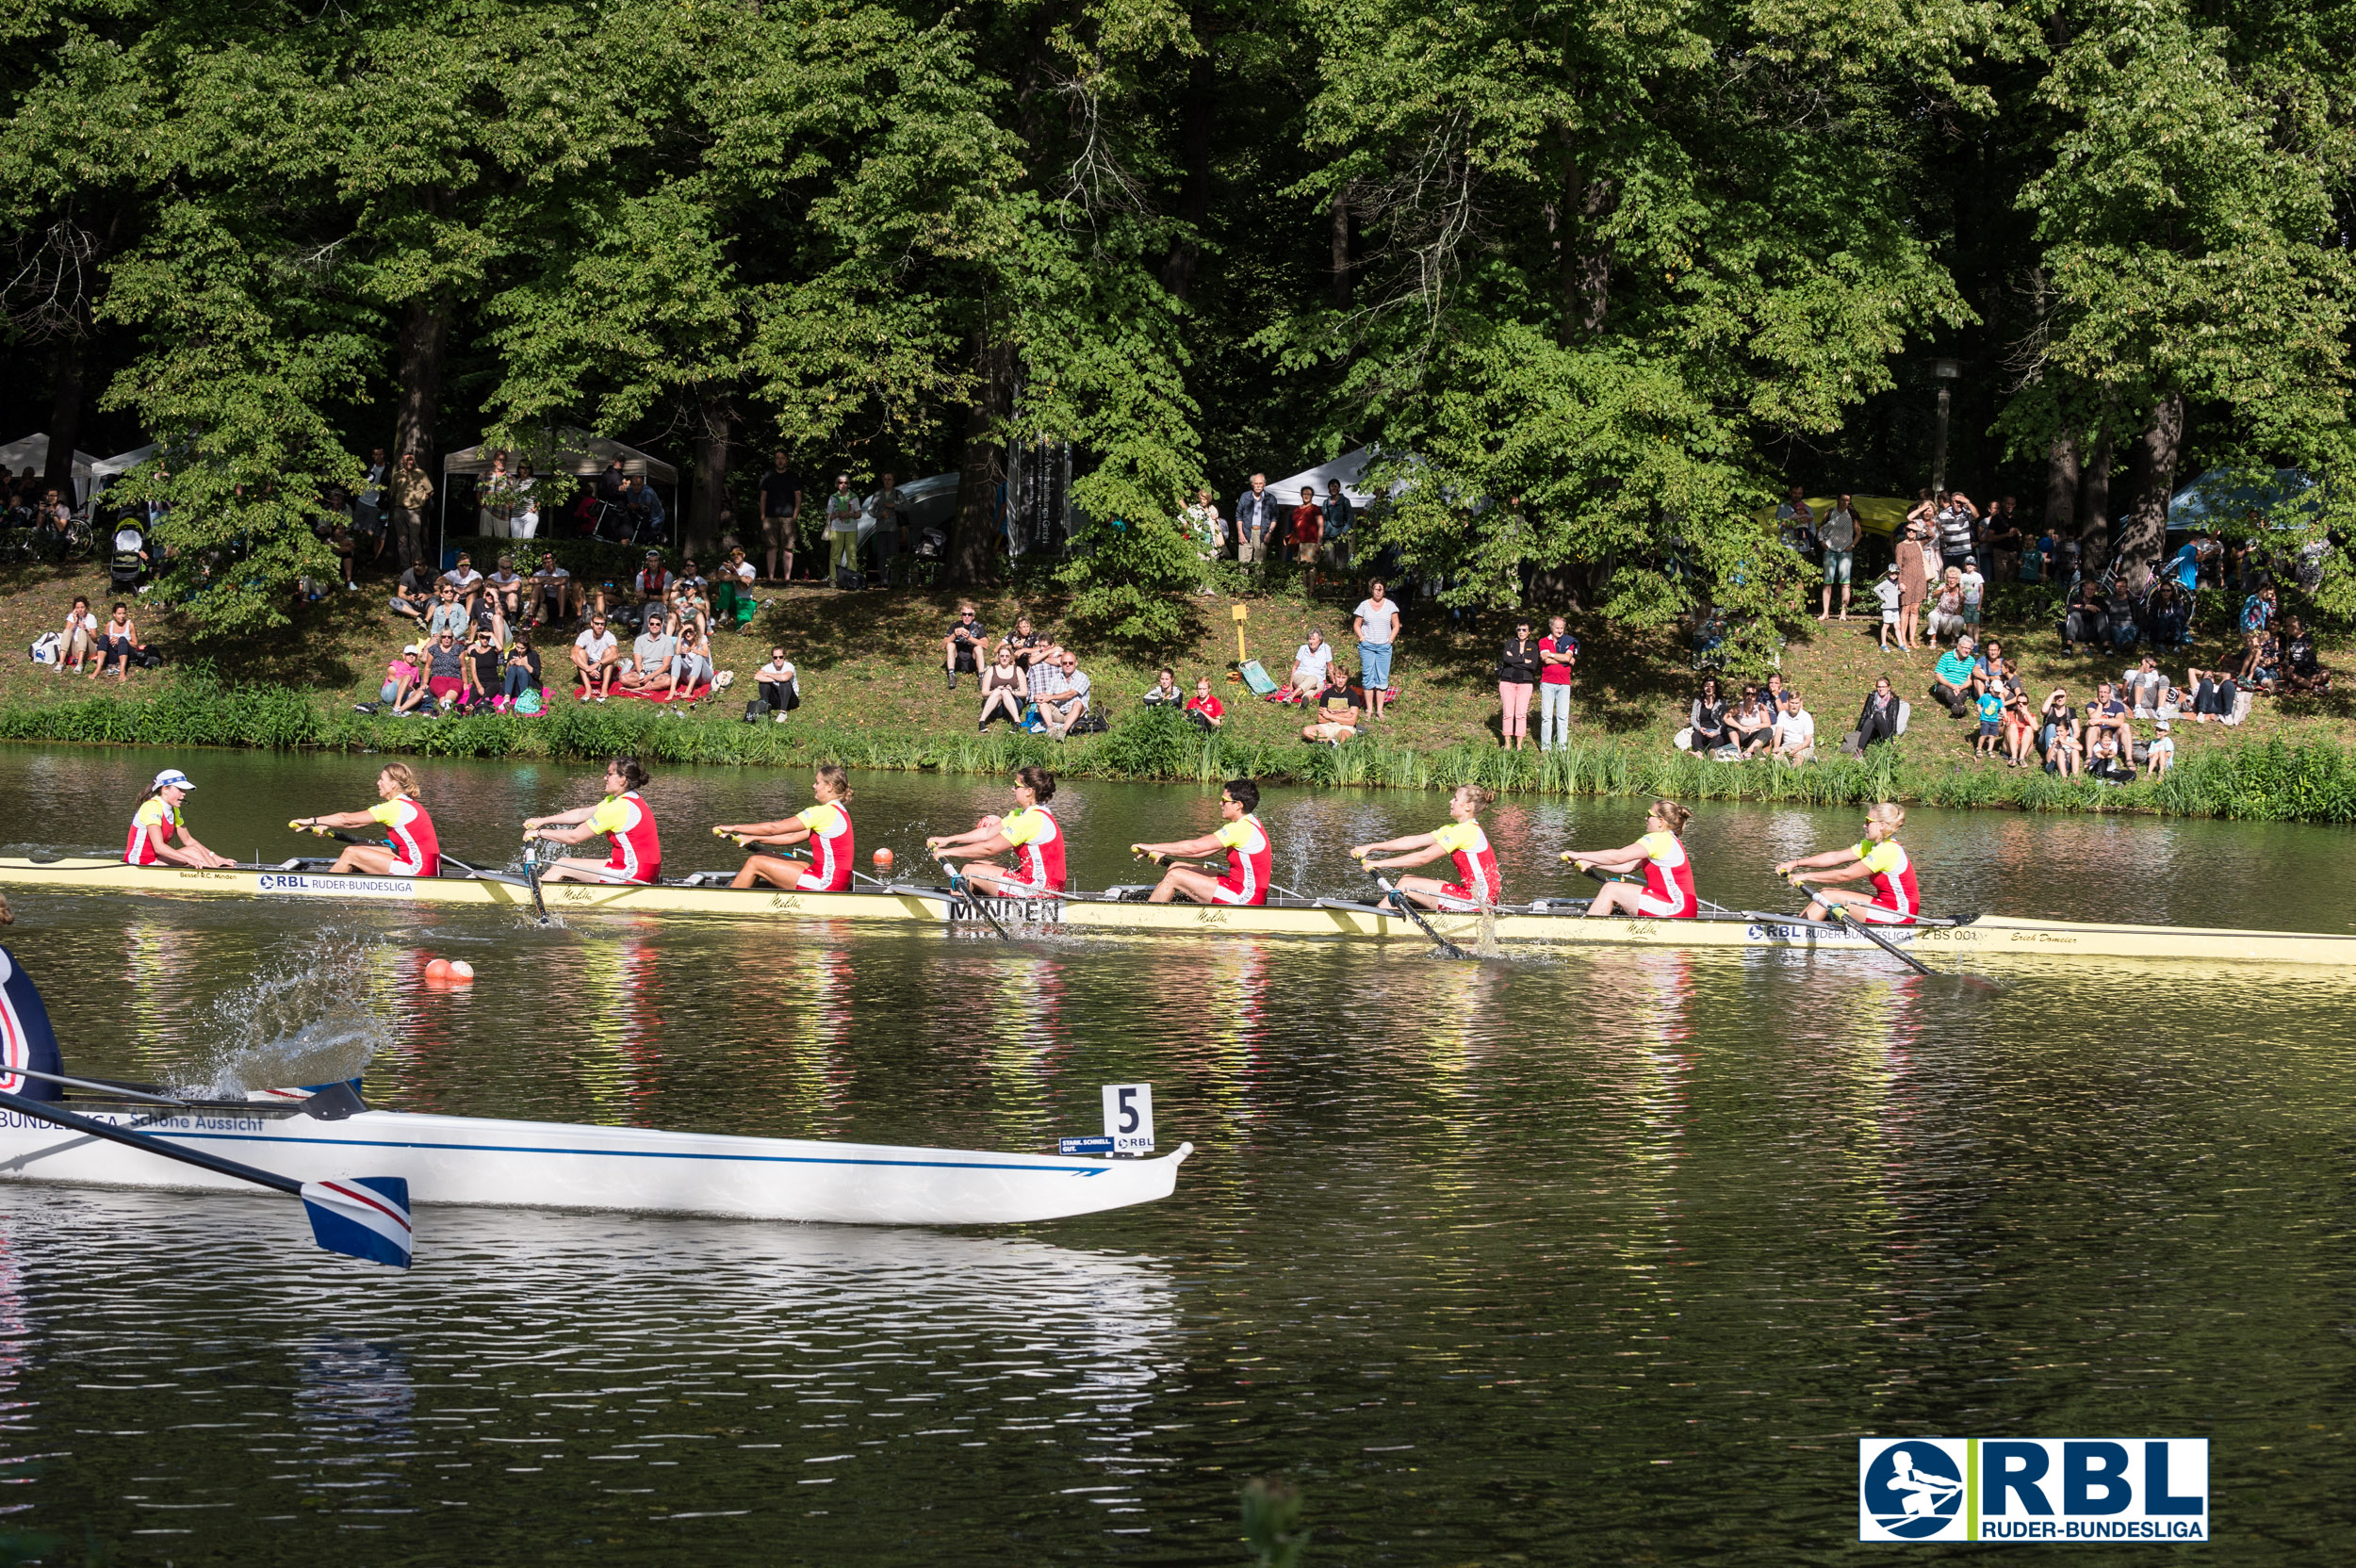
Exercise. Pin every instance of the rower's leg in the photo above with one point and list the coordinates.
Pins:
(1608, 900)
(1423, 890)
(1194, 884)
(773, 869)
(367, 860)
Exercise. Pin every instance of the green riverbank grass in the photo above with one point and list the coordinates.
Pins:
(876, 699)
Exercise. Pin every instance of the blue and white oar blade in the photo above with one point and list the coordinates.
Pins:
(361, 1217)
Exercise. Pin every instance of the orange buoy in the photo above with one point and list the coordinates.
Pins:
(883, 859)
(437, 968)
(462, 971)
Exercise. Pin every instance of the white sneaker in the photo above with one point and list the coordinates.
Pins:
(777, 718)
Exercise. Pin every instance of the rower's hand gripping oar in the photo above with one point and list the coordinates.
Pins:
(1207, 867)
(363, 1216)
(1400, 901)
(963, 888)
(1840, 912)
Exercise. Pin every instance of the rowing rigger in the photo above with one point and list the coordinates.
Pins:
(1546, 922)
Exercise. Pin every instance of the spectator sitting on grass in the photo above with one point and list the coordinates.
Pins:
(2215, 694)
(2161, 755)
(1877, 720)
(487, 616)
(118, 640)
(962, 648)
(1707, 718)
(410, 596)
(1310, 661)
(1206, 710)
(1031, 648)
(597, 659)
(2302, 673)
(2057, 734)
(482, 673)
(507, 586)
(1069, 704)
(653, 657)
(775, 681)
(1752, 725)
(1339, 717)
(2106, 714)
(80, 639)
(521, 673)
(1795, 732)
(2019, 723)
(446, 670)
(1005, 689)
(1947, 605)
(2105, 760)
(1164, 693)
(448, 613)
(1989, 668)
(403, 691)
(464, 578)
(1951, 681)
(650, 590)
(551, 591)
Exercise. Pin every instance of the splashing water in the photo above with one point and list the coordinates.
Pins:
(308, 1021)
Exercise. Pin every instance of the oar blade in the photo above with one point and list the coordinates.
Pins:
(361, 1217)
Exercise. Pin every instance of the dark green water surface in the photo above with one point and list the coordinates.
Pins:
(1603, 1258)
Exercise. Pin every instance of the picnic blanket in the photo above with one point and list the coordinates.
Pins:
(581, 694)
(1257, 678)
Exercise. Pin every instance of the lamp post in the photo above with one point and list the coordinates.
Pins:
(1946, 370)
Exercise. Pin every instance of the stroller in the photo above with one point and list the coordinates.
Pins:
(128, 564)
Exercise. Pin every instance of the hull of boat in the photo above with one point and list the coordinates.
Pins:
(1989, 937)
(489, 1163)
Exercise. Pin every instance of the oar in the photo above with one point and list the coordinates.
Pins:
(958, 885)
(363, 1216)
(527, 880)
(1400, 900)
(1841, 913)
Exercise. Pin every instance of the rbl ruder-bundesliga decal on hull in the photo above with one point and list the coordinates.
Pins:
(2112, 1489)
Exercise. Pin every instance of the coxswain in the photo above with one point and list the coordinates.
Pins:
(1668, 890)
(411, 848)
(1030, 830)
(1477, 887)
(1250, 857)
(623, 816)
(157, 819)
(1894, 899)
(826, 828)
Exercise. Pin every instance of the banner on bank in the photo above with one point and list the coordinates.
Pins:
(2106, 1489)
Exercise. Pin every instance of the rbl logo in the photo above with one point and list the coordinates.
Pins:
(2033, 1489)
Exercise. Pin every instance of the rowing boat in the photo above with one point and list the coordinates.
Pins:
(1556, 921)
(486, 1162)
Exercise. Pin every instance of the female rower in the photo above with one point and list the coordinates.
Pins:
(1030, 830)
(1477, 885)
(827, 826)
(1668, 890)
(411, 850)
(1250, 856)
(622, 816)
(1894, 901)
(157, 819)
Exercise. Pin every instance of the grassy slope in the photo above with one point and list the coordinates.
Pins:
(871, 663)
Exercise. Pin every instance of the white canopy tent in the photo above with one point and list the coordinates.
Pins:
(560, 451)
(123, 463)
(32, 451)
(1346, 467)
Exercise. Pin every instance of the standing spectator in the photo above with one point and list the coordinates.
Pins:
(1311, 659)
(842, 535)
(1990, 704)
(597, 659)
(1375, 623)
(1975, 591)
(412, 487)
(1839, 537)
(1339, 516)
(614, 484)
(2005, 541)
(1958, 520)
(1891, 592)
(1917, 558)
(1308, 533)
(1795, 732)
(1517, 682)
(2161, 755)
(1205, 528)
(2257, 617)
(1006, 690)
(80, 639)
(891, 517)
(1796, 523)
(1879, 719)
(1206, 710)
(347, 549)
(1558, 650)
(368, 517)
(1069, 703)
(962, 648)
(1255, 520)
(780, 515)
(647, 519)
(446, 670)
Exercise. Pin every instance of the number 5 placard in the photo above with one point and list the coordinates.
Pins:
(1129, 1117)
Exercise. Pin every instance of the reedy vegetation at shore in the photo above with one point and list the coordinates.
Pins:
(2269, 780)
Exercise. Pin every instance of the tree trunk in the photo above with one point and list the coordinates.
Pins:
(424, 345)
(1194, 193)
(1340, 222)
(984, 466)
(2061, 482)
(2151, 479)
(712, 473)
(65, 416)
(2094, 508)
(1590, 278)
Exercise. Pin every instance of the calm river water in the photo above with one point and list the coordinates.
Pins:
(1599, 1258)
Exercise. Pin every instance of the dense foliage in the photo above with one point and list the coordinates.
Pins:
(1599, 275)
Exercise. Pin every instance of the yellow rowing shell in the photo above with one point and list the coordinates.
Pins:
(1990, 936)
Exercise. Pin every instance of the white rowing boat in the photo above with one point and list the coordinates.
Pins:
(479, 1161)
(1557, 923)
